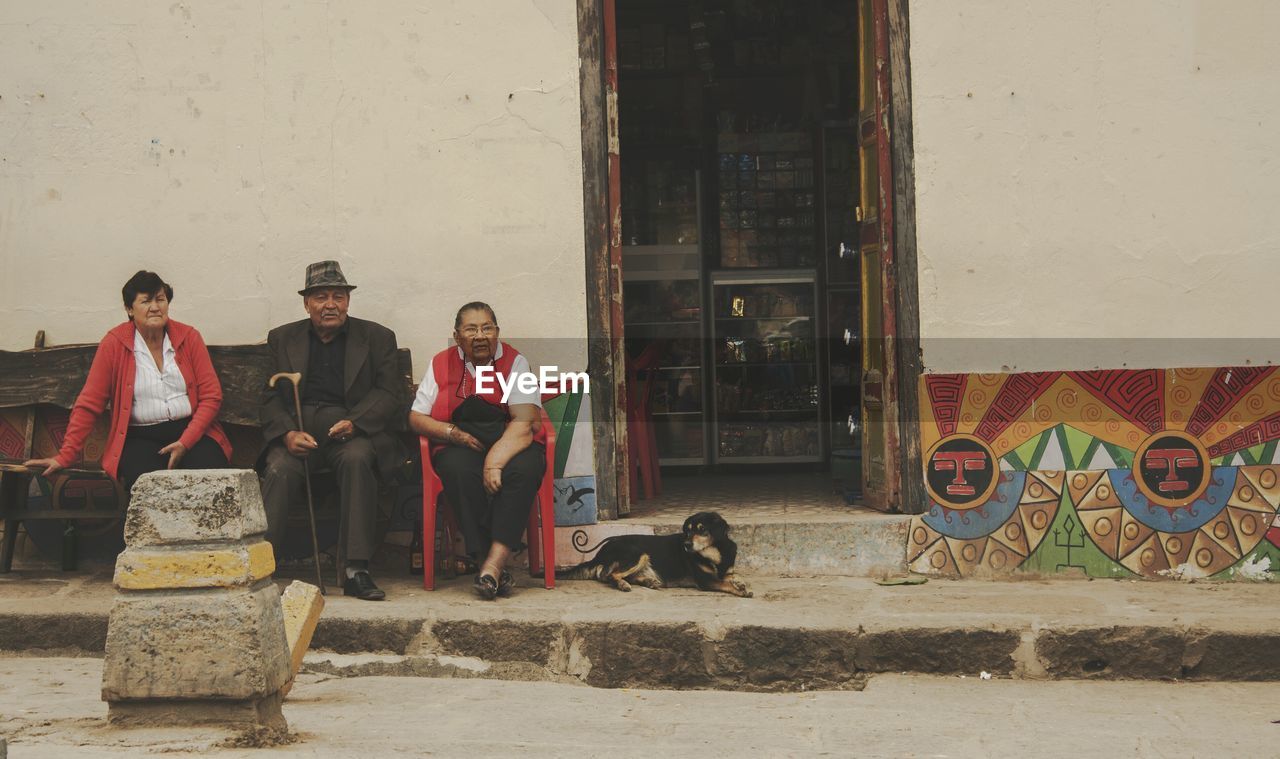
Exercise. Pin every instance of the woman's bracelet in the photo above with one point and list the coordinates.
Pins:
(491, 468)
(448, 434)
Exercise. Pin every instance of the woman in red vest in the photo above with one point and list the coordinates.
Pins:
(488, 447)
(163, 392)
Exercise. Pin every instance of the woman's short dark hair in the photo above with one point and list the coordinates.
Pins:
(474, 305)
(144, 283)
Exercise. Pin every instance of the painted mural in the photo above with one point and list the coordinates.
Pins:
(575, 484)
(1114, 473)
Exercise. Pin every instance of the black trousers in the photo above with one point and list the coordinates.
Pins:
(355, 467)
(142, 446)
(486, 519)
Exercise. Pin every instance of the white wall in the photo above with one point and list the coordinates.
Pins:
(1102, 169)
(432, 147)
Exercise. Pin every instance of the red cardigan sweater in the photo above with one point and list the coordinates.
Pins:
(449, 370)
(111, 379)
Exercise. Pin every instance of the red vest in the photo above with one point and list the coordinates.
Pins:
(455, 384)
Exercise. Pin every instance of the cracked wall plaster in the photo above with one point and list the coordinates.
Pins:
(431, 147)
(1094, 171)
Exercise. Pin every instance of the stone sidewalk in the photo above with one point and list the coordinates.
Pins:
(52, 710)
(796, 633)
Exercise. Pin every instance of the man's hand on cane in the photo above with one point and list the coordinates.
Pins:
(299, 443)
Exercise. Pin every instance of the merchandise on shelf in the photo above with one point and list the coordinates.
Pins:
(766, 200)
(774, 440)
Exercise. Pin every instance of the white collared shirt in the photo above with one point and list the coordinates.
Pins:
(158, 396)
(429, 389)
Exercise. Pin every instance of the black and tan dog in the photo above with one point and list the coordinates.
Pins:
(701, 551)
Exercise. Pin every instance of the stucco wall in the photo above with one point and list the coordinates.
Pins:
(1096, 170)
(432, 147)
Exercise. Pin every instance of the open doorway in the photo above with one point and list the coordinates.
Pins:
(751, 277)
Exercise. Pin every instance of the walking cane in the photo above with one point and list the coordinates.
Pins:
(295, 378)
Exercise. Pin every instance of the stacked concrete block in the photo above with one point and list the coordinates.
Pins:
(197, 632)
(302, 606)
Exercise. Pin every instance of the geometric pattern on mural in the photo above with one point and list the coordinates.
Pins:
(1138, 396)
(947, 543)
(1094, 472)
(945, 394)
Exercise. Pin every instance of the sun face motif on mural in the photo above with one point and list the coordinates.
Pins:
(1171, 469)
(1150, 472)
(960, 472)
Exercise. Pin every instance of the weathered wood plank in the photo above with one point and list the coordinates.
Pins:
(907, 293)
(51, 375)
(595, 193)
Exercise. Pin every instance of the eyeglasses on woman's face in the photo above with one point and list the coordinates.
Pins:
(473, 330)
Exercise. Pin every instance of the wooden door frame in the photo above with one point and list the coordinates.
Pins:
(896, 249)
(605, 357)
(597, 61)
(903, 271)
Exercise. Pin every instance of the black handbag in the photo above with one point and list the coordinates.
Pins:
(480, 419)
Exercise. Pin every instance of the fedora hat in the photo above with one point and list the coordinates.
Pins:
(324, 274)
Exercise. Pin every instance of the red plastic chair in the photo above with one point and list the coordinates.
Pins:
(541, 534)
(643, 469)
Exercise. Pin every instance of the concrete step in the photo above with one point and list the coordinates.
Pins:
(848, 542)
(796, 633)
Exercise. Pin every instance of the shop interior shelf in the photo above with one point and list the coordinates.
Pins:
(731, 364)
(763, 318)
(807, 411)
(729, 459)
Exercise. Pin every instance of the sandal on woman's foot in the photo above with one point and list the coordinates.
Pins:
(505, 583)
(486, 587)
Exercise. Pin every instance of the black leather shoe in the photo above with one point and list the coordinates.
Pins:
(505, 583)
(485, 586)
(361, 586)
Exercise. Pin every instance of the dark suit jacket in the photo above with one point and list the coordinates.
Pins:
(374, 388)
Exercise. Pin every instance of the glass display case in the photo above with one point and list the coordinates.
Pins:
(766, 375)
(664, 350)
(663, 314)
(766, 192)
(659, 200)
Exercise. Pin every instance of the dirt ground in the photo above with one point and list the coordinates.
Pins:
(51, 708)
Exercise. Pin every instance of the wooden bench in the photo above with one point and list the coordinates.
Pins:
(38, 387)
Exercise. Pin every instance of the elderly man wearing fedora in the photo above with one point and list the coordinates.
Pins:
(351, 405)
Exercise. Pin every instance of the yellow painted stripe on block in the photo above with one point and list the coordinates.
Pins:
(262, 559)
(237, 566)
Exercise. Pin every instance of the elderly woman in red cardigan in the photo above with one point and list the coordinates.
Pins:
(489, 450)
(163, 393)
